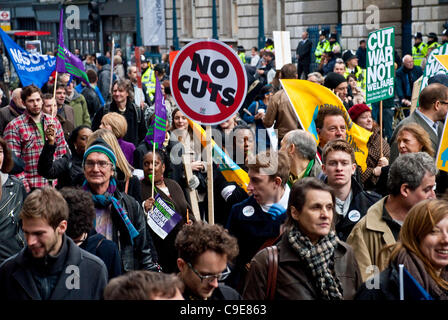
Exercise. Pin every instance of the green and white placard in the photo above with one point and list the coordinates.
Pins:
(380, 65)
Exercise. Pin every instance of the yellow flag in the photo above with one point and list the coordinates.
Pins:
(229, 169)
(308, 97)
(442, 153)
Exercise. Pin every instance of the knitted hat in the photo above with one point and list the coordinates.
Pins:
(99, 145)
(357, 110)
(333, 79)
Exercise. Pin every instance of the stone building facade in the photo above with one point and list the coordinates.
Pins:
(238, 22)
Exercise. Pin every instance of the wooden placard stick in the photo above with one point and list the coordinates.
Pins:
(381, 128)
(208, 133)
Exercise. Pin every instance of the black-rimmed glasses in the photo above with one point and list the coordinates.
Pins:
(210, 277)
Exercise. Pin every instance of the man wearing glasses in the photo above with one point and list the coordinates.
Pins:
(204, 251)
(118, 216)
(432, 110)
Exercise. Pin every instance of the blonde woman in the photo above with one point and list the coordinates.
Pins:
(126, 181)
(117, 123)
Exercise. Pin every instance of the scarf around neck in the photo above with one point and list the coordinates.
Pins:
(107, 198)
(319, 260)
(417, 269)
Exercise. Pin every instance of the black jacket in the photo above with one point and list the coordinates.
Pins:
(361, 202)
(222, 292)
(11, 236)
(18, 275)
(93, 102)
(104, 249)
(67, 169)
(304, 51)
(141, 255)
(387, 288)
(134, 117)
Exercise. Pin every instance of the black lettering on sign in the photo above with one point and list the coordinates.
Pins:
(224, 69)
(203, 67)
(228, 94)
(180, 83)
(198, 85)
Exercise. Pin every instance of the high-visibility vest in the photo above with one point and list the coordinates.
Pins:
(322, 46)
(360, 75)
(242, 56)
(269, 48)
(332, 45)
(419, 53)
(433, 45)
(149, 81)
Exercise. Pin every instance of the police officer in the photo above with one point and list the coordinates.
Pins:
(419, 49)
(322, 46)
(444, 36)
(242, 54)
(335, 46)
(352, 67)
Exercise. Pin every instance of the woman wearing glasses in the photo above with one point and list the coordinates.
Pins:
(313, 264)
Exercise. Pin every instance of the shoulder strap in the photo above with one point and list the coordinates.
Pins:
(272, 272)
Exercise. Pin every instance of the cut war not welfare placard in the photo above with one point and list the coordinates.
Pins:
(380, 65)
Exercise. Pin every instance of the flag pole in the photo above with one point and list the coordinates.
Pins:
(153, 164)
(54, 85)
(112, 52)
(400, 271)
(381, 128)
(208, 132)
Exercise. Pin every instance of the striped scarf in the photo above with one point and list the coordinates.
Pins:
(319, 259)
(107, 198)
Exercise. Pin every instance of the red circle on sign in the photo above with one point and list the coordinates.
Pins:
(241, 87)
(5, 15)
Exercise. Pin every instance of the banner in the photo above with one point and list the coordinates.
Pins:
(163, 218)
(433, 66)
(380, 65)
(152, 13)
(307, 97)
(229, 169)
(282, 45)
(67, 62)
(157, 129)
(30, 67)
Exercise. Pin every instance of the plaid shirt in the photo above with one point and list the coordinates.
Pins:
(23, 137)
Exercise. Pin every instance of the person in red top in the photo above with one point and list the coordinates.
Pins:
(25, 136)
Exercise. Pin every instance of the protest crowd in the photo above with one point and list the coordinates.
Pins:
(105, 192)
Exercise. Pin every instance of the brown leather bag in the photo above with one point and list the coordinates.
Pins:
(272, 272)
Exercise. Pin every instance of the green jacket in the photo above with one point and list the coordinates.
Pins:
(322, 46)
(79, 105)
(419, 53)
(149, 81)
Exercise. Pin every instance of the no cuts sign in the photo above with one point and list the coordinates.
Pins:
(208, 81)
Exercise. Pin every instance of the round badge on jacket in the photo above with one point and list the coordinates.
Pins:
(248, 211)
(354, 215)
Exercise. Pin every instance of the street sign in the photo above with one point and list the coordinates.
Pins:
(208, 81)
(380, 65)
(5, 20)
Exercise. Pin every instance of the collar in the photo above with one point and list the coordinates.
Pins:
(375, 221)
(283, 200)
(434, 125)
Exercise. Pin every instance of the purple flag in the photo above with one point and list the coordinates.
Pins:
(157, 129)
(67, 62)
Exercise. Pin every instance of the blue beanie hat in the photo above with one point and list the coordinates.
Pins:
(99, 145)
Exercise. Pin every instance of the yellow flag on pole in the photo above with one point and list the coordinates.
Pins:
(229, 169)
(308, 97)
(442, 153)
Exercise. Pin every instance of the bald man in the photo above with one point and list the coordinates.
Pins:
(13, 110)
